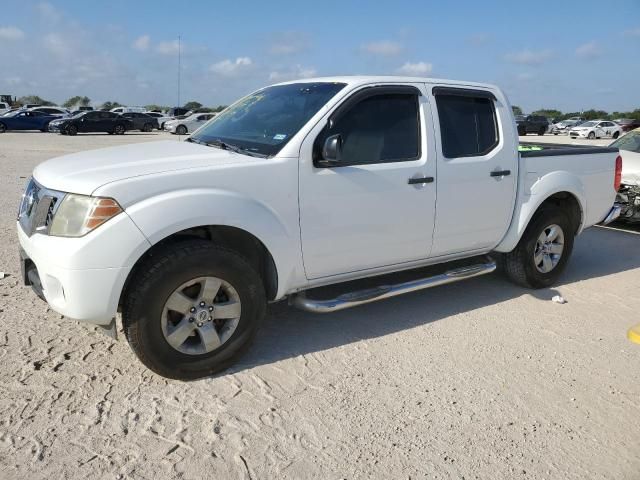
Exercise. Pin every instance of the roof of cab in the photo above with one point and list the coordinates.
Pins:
(356, 80)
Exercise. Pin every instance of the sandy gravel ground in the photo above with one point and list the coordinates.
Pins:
(477, 380)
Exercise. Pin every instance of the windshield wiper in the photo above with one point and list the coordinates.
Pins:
(232, 148)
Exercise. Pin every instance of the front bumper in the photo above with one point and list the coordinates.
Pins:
(584, 134)
(54, 128)
(170, 128)
(82, 278)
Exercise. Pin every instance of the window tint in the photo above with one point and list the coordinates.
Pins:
(467, 125)
(382, 128)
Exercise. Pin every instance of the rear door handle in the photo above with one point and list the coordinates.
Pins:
(500, 173)
(413, 181)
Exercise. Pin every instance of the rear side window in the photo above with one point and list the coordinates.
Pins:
(468, 125)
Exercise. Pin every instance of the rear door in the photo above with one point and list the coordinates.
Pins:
(477, 168)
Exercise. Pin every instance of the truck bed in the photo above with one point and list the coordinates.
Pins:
(536, 149)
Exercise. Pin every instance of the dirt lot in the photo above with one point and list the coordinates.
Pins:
(474, 380)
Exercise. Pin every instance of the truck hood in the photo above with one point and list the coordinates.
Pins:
(84, 172)
(630, 167)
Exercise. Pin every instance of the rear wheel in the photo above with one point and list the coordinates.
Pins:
(542, 131)
(72, 130)
(3, 127)
(147, 127)
(616, 134)
(542, 253)
(192, 309)
(181, 130)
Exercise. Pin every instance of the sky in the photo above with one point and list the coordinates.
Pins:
(557, 54)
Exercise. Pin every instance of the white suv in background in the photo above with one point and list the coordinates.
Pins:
(596, 129)
(4, 108)
(189, 124)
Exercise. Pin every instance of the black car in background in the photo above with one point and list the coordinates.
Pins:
(93, 121)
(533, 124)
(141, 121)
(628, 124)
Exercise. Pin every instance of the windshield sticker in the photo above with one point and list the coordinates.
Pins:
(280, 136)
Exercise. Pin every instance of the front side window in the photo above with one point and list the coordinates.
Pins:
(265, 121)
(468, 125)
(379, 129)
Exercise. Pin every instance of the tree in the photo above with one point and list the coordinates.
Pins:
(548, 112)
(77, 100)
(106, 106)
(219, 108)
(156, 108)
(592, 114)
(35, 99)
(516, 110)
(192, 105)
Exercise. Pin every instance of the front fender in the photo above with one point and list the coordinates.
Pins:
(535, 190)
(161, 216)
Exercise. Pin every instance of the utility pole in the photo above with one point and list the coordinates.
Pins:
(179, 67)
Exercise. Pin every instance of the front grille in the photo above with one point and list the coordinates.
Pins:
(37, 208)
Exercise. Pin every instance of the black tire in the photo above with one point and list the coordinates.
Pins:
(591, 136)
(3, 127)
(522, 131)
(616, 135)
(542, 131)
(181, 130)
(72, 130)
(147, 127)
(519, 264)
(159, 276)
(162, 126)
(119, 129)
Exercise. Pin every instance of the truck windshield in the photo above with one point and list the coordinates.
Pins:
(263, 122)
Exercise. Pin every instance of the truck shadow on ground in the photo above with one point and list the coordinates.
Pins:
(288, 332)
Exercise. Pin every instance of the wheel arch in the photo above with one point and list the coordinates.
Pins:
(558, 193)
(233, 238)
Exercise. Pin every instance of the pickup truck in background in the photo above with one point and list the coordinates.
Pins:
(323, 191)
(533, 124)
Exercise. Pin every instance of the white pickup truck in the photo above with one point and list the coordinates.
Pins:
(296, 187)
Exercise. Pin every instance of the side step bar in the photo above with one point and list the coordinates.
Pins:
(360, 297)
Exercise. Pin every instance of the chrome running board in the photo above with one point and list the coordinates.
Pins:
(360, 297)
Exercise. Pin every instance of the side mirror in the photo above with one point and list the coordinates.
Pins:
(331, 150)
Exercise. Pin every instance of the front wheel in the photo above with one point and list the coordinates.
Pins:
(3, 127)
(542, 131)
(542, 253)
(616, 135)
(119, 129)
(192, 309)
(181, 130)
(147, 127)
(72, 130)
(591, 135)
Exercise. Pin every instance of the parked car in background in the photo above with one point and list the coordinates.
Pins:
(57, 112)
(4, 108)
(629, 192)
(142, 121)
(176, 111)
(128, 109)
(533, 124)
(563, 126)
(628, 124)
(161, 118)
(297, 186)
(182, 126)
(25, 120)
(95, 121)
(596, 129)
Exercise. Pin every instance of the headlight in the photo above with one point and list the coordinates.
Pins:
(77, 215)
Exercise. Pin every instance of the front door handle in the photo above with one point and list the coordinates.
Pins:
(414, 181)
(500, 173)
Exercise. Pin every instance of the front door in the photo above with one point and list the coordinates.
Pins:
(375, 206)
